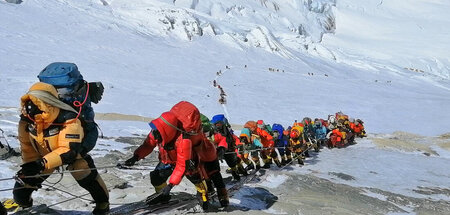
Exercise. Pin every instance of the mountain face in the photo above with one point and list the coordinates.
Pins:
(385, 62)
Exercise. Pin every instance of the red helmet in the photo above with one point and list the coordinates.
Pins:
(294, 134)
(260, 124)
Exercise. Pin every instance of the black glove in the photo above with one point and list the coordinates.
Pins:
(220, 153)
(166, 190)
(96, 91)
(33, 168)
(131, 161)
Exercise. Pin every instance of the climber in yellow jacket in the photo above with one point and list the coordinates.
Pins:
(50, 135)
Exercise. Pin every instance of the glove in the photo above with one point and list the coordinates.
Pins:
(96, 91)
(166, 190)
(220, 153)
(241, 148)
(33, 168)
(131, 161)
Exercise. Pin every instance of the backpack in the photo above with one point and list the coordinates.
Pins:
(74, 91)
(206, 125)
(268, 129)
(67, 76)
(279, 128)
(5, 149)
(60, 74)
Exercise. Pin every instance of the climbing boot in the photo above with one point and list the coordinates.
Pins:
(210, 186)
(202, 194)
(266, 166)
(249, 167)
(222, 193)
(316, 147)
(235, 175)
(269, 160)
(277, 162)
(289, 159)
(101, 208)
(156, 197)
(12, 206)
(228, 170)
(241, 170)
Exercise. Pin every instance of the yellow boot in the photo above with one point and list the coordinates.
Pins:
(235, 174)
(257, 162)
(241, 169)
(160, 187)
(202, 192)
(157, 197)
(267, 162)
(277, 162)
(11, 206)
(289, 159)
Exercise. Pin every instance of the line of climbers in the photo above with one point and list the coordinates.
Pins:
(57, 128)
(259, 140)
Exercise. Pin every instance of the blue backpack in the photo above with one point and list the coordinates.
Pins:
(66, 75)
(279, 128)
(60, 74)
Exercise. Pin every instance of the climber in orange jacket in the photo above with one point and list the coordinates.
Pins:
(268, 152)
(50, 135)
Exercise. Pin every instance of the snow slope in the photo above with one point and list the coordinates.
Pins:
(394, 35)
(139, 55)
